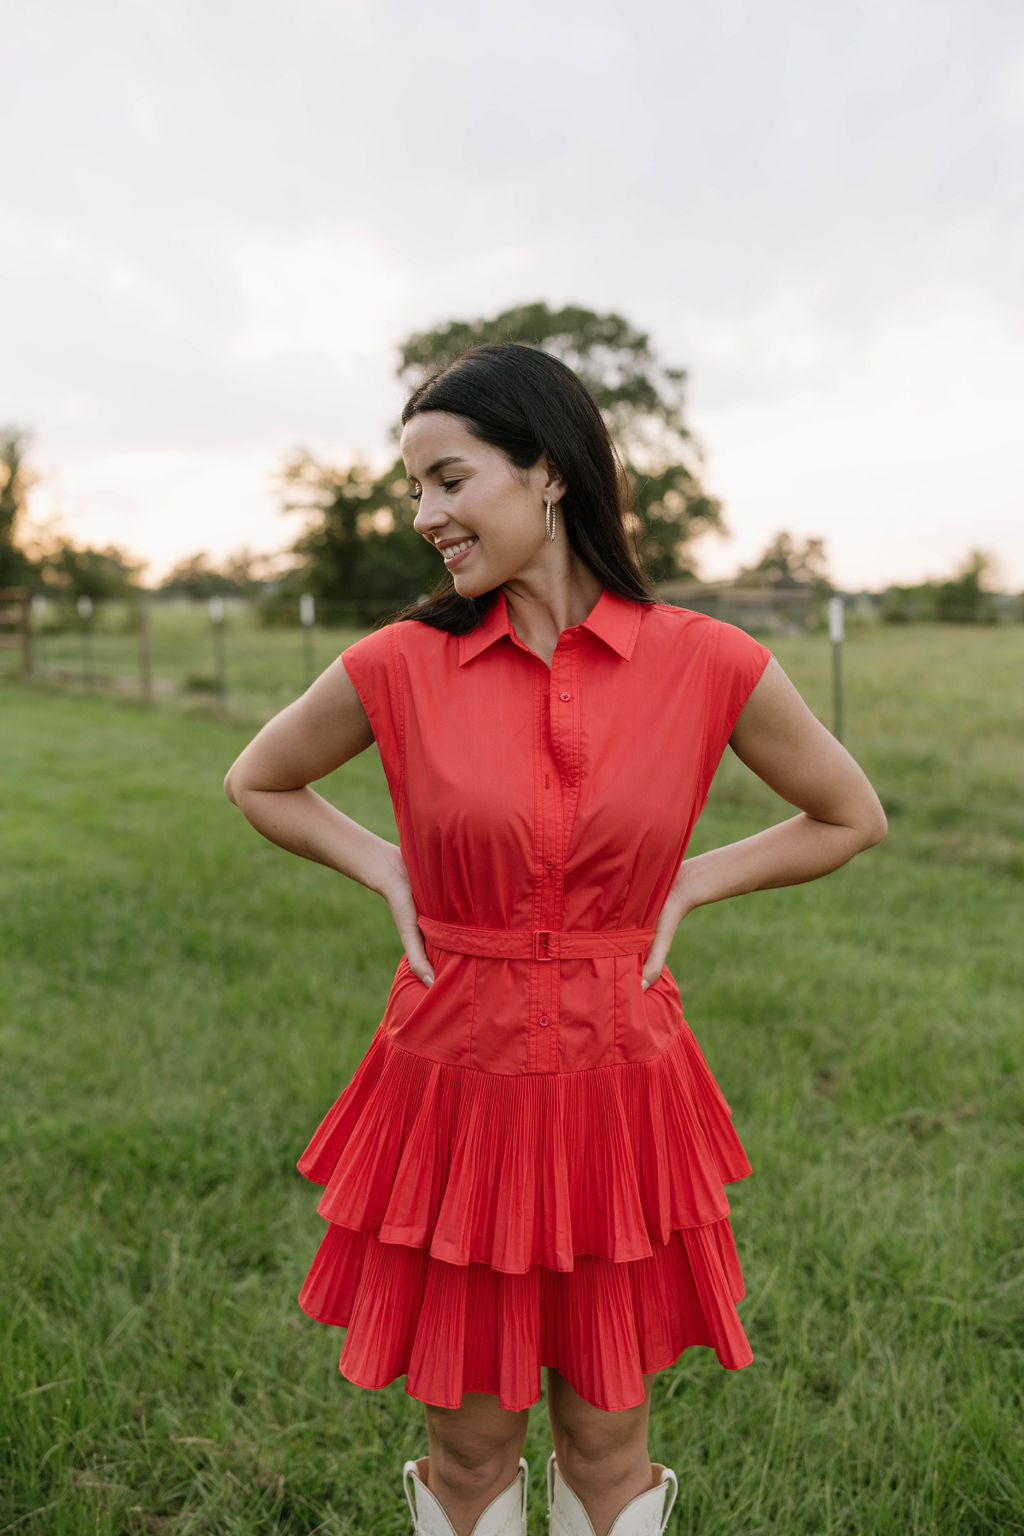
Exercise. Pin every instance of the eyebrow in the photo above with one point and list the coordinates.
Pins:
(450, 458)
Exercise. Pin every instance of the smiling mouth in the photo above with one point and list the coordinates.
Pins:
(451, 551)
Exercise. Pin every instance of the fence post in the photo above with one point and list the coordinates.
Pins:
(835, 630)
(15, 610)
(84, 606)
(26, 636)
(219, 656)
(307, 613)
(39, 609)
(145, 654)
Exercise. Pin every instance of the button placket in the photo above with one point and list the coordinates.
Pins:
(543, 794)
(564, 706)
(560, 805)
(542, 1018)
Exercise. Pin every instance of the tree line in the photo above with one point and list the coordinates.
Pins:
(359, 551)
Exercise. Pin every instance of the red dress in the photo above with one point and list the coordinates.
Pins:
(527, 1166)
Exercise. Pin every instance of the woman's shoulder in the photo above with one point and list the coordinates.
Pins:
(674, 633)
(671, 622)
(401, 637)
(413, 638)
(674, 618)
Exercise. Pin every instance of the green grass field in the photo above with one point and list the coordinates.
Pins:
(181, 1002)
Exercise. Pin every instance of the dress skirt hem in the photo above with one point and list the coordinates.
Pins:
(451, 1329)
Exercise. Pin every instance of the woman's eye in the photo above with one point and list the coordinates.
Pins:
(415, 495)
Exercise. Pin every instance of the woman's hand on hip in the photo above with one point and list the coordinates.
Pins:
(671, 915)
(397, 892)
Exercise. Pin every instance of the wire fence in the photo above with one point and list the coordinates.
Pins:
(242, 657)
(233, 654)
(220, 655)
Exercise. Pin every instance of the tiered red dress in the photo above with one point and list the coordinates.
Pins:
(527, 1166)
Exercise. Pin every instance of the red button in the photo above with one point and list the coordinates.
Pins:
(549, 863)
(544, 1021)
(569, 783)
(565, 697)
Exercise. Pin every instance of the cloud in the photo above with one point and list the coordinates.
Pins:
(899, 464)
(223, 219)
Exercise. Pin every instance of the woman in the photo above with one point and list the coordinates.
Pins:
(527, 1166)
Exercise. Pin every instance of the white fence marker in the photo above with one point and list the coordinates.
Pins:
(835, 633)
(84, 606)
(220, 661)
(835, 620)
(307, 614)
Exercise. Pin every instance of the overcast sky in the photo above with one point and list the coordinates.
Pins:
(218, 220)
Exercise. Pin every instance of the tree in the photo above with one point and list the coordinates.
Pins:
(196, 578)
(246, 571)
(967, 597)
(361, 547)
(641, 399)
(80, 571)
(241, 574)
(787, 563)
(15, 481)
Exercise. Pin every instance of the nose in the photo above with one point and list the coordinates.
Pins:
(430, 515)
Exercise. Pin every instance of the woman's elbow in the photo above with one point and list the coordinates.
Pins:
(874, 826)
(230, 787)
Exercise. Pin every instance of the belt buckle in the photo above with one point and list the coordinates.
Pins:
(542, 944)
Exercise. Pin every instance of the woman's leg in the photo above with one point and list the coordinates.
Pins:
(602, 1456)
(474, 1455)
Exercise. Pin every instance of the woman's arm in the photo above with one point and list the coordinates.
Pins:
(779, 738)
(269, 782)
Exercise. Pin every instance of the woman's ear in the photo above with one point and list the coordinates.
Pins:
(555, 486)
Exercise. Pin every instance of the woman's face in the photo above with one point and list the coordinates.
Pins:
(484, 516)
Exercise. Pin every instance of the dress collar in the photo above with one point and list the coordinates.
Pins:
(613, 619)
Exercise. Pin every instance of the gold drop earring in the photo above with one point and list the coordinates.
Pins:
(549, 520)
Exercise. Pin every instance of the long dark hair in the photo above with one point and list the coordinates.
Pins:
(526, 402)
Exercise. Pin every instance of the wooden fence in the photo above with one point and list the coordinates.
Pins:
(16, 624)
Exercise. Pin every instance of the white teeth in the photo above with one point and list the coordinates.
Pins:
(457, 549)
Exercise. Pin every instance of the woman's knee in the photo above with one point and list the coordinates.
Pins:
(583, 1433)
(474, 1443)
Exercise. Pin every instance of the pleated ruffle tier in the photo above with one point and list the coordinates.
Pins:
(482, 1225)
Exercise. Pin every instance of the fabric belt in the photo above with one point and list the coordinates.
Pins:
(538, 944)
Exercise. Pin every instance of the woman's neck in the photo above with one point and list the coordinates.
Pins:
(539, 614)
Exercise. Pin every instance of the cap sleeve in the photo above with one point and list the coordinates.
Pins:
(735, 664)
(374, 668)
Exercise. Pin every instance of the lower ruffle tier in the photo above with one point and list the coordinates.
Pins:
(452, 1328)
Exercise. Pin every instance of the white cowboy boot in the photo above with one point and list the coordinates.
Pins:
(505, 1515)
(645, 1515)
